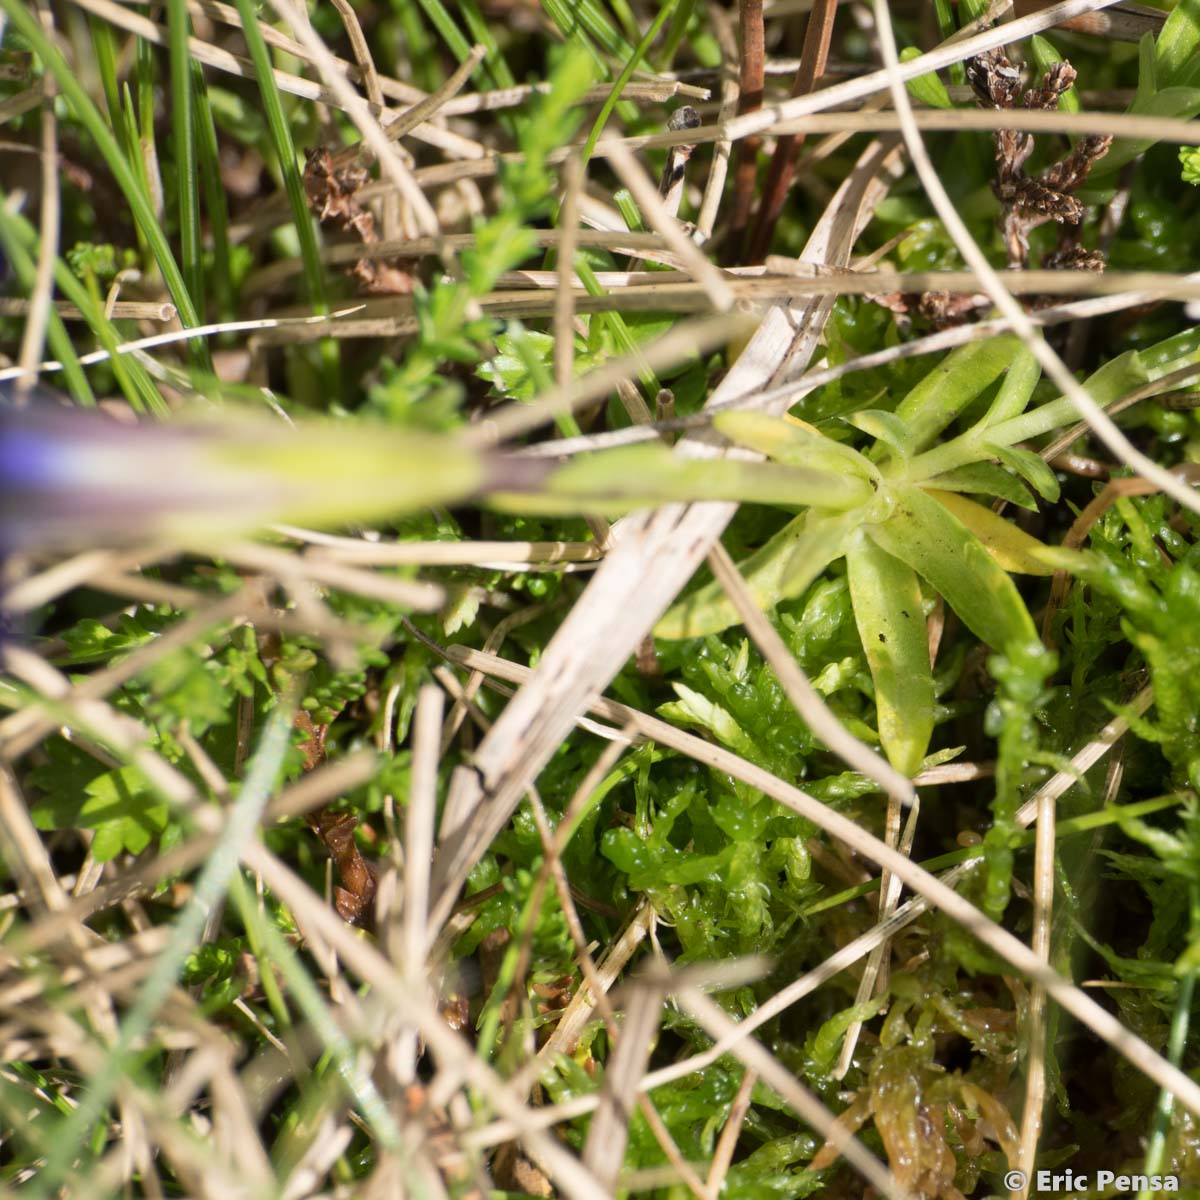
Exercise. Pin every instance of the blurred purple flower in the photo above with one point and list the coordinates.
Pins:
(73, 478)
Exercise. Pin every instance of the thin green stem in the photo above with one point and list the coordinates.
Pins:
(214, 196)
(19, 238)
(186, 182)
(631, 65)
(285, 150)
(26, 23)
(616, 323)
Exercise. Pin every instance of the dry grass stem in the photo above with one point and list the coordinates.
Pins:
(493, 555)
(756, 1058)
(124, 310)
(806, 700)
(664, 223)
(33, 336)
(875, 970)
(818, 32)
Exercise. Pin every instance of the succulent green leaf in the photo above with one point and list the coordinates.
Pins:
(942, 550)
(1009, 545)
(1114, 379)
(961, 376)
(886, 597)
(888, 428)
(985, 479)
(782, 568)
(1017, 388)
(1177, 43)
(1166, 102)
(1147, 83)
(1031, 467)
(928, 88)
(791, 441)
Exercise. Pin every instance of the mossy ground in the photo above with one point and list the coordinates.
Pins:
(260, 1051)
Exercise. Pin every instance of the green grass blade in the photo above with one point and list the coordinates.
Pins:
(27, 24)
(104, 49)
(280, 132)
(186, 181)
(135, 382)
(588, 18)
(625, 76)
(57, 337)
(285, 151)
(676, 32)
(587, 26)
(145, 77)
(482, 34)
(449, 31)
(208, 159)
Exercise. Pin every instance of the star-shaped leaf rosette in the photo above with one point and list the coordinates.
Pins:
(919, 527)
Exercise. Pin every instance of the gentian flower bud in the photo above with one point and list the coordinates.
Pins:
(71, 478)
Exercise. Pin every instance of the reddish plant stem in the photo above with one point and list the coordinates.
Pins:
(813, 56)
(750, 94)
